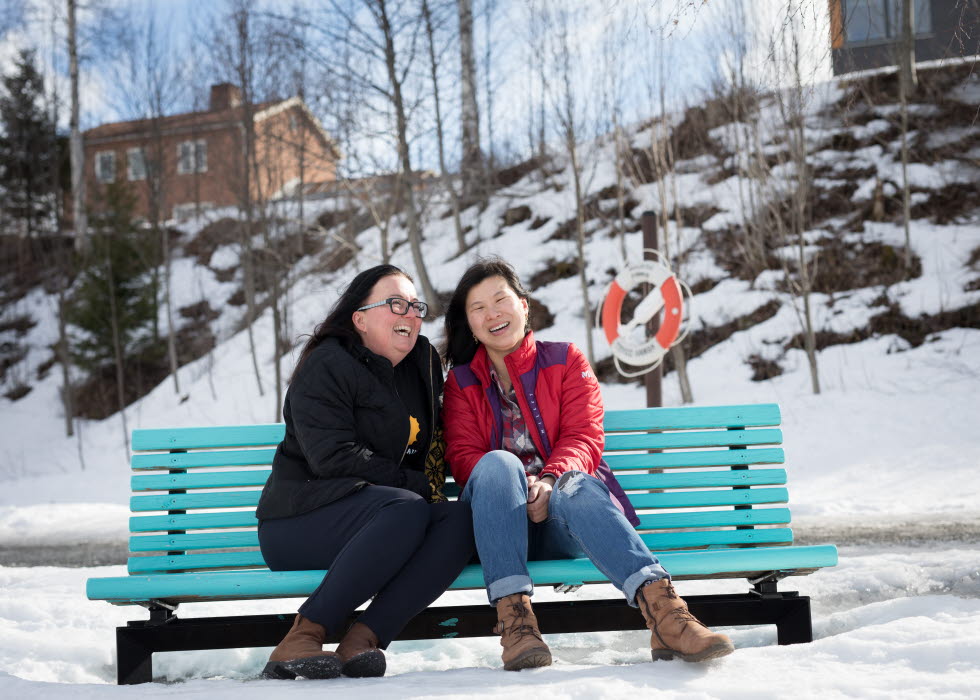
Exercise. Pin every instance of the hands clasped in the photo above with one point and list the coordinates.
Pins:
(538, 495)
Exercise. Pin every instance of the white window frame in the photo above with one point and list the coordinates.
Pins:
(885, 17)
(136, 164)
(103, 174)
(192, 157)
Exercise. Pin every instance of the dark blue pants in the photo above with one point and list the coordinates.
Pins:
(379, 541)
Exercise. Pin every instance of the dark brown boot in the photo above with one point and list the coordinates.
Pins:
(360, 653)
(519, 635)
(675, 631)
(300, 653)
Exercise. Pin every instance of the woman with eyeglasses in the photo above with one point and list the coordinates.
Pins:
(355, 483)
(524, 440)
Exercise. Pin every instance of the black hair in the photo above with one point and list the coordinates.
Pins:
(339, 322)
(460, 345)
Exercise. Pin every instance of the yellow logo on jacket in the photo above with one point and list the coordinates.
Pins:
(413, 432)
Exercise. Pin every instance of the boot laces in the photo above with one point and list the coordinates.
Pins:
(519, 630)
(682, 614)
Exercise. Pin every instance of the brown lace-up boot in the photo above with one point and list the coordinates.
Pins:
(300, 653)
(676, 632)
(519, 635)
(360, 653)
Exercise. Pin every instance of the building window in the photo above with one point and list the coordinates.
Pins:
(105, 166)
(869, 21)
(135, 164)
(192, 157)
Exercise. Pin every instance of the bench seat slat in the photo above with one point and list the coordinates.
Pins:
(207, 480)
(683, 439)
(192, 460)
(194, 501)
(701, 458)
(175, 588)
(693, 417)
(695, 499)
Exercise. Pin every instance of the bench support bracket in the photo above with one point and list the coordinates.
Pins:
(137, 642)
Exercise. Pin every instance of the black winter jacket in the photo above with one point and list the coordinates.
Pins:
(346, 427)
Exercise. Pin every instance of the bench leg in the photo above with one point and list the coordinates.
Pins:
(134, 661)
(795, 626)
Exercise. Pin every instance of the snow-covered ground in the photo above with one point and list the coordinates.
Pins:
(888, 623)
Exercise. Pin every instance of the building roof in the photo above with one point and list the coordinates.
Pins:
(207, 120)
(176, 122)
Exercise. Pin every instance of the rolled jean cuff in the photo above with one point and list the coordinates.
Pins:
(509, 585)
(633, 583)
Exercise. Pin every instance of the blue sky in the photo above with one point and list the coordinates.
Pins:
(616, 41)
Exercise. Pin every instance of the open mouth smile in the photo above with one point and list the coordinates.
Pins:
(403, 331)
(502, 326)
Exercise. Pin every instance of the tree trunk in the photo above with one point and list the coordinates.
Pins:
(79, 215)
(580, 247)
(64, 359)
(906, 85)
(244, 74)
(117, 349)
(414, 223)
(471, 165)
(440, 139)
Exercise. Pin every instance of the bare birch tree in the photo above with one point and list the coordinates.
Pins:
(471, 162)
(447, 180)
(79, 216)
(151, 86)
(235, 51)
(569, 116)
(790, 216)
(906, 86)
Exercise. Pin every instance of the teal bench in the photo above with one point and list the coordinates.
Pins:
(710, 501)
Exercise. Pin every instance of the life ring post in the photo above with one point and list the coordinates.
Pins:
(653, 379)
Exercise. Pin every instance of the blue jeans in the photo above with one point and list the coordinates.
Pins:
(582, 521)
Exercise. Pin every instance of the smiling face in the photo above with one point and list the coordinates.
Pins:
(382, 331)
(496, 316)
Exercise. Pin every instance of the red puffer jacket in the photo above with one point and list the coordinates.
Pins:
(560, 399)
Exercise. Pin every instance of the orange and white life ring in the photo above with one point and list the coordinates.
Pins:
(666, 294)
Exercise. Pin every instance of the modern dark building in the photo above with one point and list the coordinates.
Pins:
(865, 33)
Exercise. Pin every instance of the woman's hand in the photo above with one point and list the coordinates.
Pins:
(538, 495)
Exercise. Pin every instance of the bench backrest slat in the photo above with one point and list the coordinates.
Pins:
(199, 480)
(686, 439)
(693, 418)
(704, 458)
(212, 458)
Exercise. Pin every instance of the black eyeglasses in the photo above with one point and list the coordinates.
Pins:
(400, 306)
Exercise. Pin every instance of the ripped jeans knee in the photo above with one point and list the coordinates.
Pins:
(570, 482)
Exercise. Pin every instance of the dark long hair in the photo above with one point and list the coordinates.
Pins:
(339, 322)
(460, 345)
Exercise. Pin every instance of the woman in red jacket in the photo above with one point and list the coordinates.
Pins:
(523, 424)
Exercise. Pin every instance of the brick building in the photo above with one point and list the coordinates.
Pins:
(865, 33)
(199, 155)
